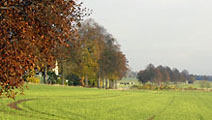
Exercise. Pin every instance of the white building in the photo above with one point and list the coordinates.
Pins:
(56, 69)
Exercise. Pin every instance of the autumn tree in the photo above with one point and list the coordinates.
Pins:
(159, 76)
(176, 76)
(117, 68)
(30, 32)
(91, 39)
(163, 74)
(186, 76)
(141, 76)
(113, 62)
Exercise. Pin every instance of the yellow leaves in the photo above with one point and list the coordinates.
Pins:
(38, 68)
(42, 65)
(33, 79)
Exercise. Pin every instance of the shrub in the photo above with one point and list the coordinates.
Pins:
(172, 87)
(33, 79)
(135, 86)
(190, 88)
(147, 86)
(73, 80)
(52, 78)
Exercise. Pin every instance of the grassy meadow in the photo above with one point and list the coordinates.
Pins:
(43, 102)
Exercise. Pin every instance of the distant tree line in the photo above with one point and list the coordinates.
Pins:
(163, 74)
(203, 77)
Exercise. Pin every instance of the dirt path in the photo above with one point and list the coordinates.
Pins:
(152, 118)
(14, 105)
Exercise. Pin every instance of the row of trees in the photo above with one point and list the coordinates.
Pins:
(203, 77)
(163, 74)
(96, 58)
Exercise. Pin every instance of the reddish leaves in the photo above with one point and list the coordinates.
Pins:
(30, 32)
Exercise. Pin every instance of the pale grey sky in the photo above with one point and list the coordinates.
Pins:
(175, 33)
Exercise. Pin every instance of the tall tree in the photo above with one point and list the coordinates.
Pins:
(91, 38)
(31, 31)
(142, 76)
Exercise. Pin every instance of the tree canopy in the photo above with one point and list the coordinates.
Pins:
(163, 74)
(30, 32)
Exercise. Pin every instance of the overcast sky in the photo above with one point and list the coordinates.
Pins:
(175, 33)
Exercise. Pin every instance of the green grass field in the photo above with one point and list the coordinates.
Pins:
(75, 103)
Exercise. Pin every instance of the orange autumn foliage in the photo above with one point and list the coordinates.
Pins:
(31, 31)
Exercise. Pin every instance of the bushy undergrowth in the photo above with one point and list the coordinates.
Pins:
(33, 79)
(154, 87)
(167, 87)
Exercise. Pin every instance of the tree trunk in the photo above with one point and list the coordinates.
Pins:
(98, 82)
(106, 83)
(86, 81)
(116, 86)
(82, 81)
(44, 75)
(62, 73)
(103, 83)
(110, 84)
